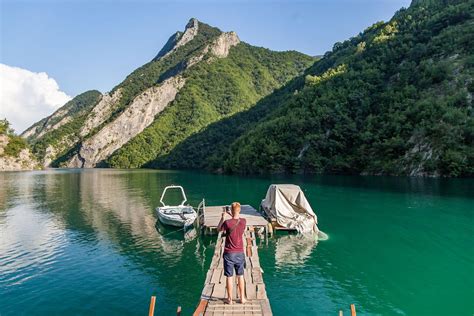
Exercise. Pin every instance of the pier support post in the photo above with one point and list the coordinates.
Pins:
(353, 310)
(152, 306)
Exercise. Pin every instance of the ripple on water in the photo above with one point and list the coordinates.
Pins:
(31, 244)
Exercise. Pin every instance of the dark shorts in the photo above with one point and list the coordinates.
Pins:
(234, 261)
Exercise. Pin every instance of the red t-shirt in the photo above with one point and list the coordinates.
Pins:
(234, 242)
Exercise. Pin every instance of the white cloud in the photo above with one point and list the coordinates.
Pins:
(26, 97)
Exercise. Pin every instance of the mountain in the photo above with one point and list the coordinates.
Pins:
(14, 151)
(62, 130)
(200, 76)
(396, 99)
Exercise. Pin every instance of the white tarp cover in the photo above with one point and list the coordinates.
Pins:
(287, 203)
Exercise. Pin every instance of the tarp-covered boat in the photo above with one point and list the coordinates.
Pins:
(287, 205)
(176, 215)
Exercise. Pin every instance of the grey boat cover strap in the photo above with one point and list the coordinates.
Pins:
(289, 206)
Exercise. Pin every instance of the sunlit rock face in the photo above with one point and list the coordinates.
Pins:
(23, 161)
(130, 123)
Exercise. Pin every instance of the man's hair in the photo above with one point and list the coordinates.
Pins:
(235, 208)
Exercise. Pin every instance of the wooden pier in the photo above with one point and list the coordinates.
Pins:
(214, 292)
(211, 215)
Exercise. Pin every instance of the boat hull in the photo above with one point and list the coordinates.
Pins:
(176, 219)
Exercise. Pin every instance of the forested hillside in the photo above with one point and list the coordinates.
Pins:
(395, 99)
(212, 92)
(200, 76)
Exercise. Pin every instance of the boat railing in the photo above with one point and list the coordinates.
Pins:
(173, 187)
(200, 212)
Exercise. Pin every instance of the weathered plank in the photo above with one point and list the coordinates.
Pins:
(254, 258)
(200, 308)
(251, 291)
(219, 291)
(266, 309)
(257, 275)
(208, 276)
(261, 292)
(207, 291)
(216, 275)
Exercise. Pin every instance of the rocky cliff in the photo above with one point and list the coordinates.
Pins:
(127, 125)
(22, 159)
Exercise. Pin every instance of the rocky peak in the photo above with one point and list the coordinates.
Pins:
(193, 23)
(193, 27)
(179, 39)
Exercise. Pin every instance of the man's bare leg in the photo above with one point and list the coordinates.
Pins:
(242, 288)
(229, 285)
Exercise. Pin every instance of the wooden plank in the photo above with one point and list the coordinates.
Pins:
(227, 309)
(248, 311)
(151, 311)
(257, 276)
(207, 291)
(251, 291)
(219, 242)
(219, 291)
(222, 278)
(266, 309)
(200, 308)
(216, 275)
(254, 258)
(261, 292)
(208, 275)
(248, 263)
(353, 310)
(248, 273)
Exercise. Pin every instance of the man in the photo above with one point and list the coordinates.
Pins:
(234, 257)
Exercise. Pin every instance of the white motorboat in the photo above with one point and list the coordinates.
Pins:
(176, 215)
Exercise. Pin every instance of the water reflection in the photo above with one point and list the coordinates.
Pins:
(293, 250)
(173, 240)
(107, 198)
(30, 243)
(90, 230)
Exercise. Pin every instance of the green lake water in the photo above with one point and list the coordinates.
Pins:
(83, 242)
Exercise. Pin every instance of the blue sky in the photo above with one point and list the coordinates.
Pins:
(95, 44)
(83, 45)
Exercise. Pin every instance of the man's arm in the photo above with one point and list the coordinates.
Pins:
(221, 222)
